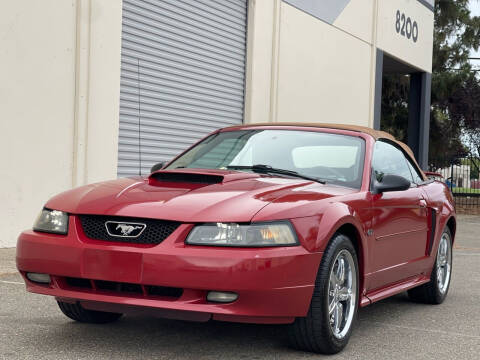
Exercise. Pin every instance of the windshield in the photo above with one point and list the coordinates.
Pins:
(334, 158)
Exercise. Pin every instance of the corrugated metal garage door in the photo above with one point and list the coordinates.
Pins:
(183, 73)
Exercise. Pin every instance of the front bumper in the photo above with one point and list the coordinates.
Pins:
(274, 285)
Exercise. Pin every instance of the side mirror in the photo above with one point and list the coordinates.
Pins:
(391, 183)
(158, 166)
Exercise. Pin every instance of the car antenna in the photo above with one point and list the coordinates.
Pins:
(139, 120)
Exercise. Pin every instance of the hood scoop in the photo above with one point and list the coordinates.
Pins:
(184, 177)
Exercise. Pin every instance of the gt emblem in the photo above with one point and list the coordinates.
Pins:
(124, 229)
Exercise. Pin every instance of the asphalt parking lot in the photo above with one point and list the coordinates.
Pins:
(32, 327)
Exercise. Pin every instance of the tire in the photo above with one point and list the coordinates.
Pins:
(315, 333)
(78, 313)
(432, 292)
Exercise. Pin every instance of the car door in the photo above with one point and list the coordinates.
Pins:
(400, 220)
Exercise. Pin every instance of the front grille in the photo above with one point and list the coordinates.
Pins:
(120, 288)
(155, 231)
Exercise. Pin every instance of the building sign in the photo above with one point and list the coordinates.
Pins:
(405, 31)
(405, 26)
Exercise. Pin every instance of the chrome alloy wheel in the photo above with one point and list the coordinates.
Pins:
(444, 263)
(342, 294)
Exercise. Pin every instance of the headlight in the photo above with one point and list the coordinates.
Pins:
(52, 221)
(253, 235)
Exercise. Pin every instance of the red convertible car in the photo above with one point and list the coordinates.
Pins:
(296, 224)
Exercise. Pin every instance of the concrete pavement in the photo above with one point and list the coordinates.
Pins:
(32, 327)
(7, 261)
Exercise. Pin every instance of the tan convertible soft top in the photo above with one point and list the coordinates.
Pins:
(376, 134)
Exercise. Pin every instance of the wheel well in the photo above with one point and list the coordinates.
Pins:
(452, 226)
(352, 232)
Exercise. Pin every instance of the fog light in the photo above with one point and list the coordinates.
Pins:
(39, 278)
(222, 297)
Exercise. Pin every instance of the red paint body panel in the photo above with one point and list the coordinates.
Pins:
(401, 235)
(275, 285)
(229, 201)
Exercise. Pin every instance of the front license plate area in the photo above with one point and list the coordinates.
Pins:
(112, 265)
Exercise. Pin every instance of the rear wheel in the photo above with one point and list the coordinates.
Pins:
(328, 325)
(436, 290)
(78, 313)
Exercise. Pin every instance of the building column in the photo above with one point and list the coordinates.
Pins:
(97, 90)
(82, 68)
(262, 60)
(377, 114)
(419, 116)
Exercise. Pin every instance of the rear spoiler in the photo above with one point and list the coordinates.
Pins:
(431, 174)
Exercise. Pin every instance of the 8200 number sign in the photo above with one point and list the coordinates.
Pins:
(406, 27)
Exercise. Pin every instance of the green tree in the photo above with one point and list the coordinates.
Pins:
(455, 116)
(474, 167)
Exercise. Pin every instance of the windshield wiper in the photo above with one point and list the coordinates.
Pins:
(268, 169)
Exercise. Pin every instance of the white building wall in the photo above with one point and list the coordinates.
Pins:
(98, 67)
(301, 68)
(323, 73)
(59, 86)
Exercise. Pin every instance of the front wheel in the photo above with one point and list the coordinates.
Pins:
(78, 313)
(328, 325)
(436, 290)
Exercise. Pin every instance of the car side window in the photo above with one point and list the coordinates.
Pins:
(389, 160)
(417, 178)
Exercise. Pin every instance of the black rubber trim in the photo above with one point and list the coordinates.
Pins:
(427, 4)
(187, 177)
(433, 225)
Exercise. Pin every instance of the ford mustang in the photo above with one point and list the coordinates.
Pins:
(297, 224)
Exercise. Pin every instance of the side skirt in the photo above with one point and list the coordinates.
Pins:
(393, 289)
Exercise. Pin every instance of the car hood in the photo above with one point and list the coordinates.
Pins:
(191, 195)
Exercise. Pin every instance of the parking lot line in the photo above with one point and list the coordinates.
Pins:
(11, 282)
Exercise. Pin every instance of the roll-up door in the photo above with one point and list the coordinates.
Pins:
(182, 76)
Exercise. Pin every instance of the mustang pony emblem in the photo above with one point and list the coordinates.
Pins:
(124, 229)
(127, 229)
